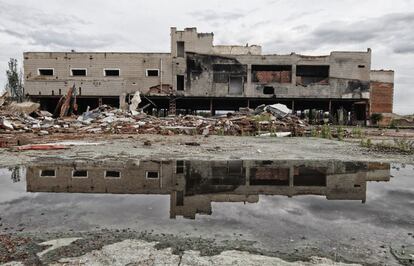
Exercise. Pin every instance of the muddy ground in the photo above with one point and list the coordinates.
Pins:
(289, 229)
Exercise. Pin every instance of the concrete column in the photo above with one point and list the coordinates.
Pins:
(294, 75)
(99, 101)
(249, 88)
(122, 103)
(293, 106)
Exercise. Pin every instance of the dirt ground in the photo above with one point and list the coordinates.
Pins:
(201, 148)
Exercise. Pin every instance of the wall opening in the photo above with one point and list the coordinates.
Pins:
(45, 71)
(308, 74)
(78, 72)
(272, 74)
(180, 49)
(305, 176)
(179, 167)
(112, 174)
(236, 85)
(179, 198)
(48, 173)
(180, 82)
(111, 72)
(266, 176)
(268, 90)
(152, 174)
(152, 72)
(79, 173)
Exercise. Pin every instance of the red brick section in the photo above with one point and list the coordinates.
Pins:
(381, 97)
(273, 76)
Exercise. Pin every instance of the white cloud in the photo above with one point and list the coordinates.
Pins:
(281, 26)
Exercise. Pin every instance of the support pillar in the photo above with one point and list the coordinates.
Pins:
(249, 81)
(100, 101)
(294, 75)
(293, 106)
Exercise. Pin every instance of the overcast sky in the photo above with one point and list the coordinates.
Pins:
(280, 26)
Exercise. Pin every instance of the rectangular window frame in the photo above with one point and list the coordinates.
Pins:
(111, 177)
(49, 176)
(78, 68)
(80, 177)
(158, 175)
(152, 69)
(111, 68)
(45, 68)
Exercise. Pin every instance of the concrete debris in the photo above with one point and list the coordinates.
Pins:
(24, 107)
(278, 110)
(136, 100)
(272, 120)
(42, 147)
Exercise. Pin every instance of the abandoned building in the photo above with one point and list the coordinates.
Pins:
(192, 186)
(197, 75)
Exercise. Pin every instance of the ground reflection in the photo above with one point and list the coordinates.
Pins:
(194, 185)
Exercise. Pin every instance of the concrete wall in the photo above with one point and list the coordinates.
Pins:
(132, 68)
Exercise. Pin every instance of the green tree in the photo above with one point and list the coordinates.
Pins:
(14, 81)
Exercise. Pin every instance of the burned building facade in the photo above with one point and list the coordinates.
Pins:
(198, 75)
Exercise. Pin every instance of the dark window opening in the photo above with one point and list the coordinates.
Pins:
(180, 167)
(309, 177)
(179, 198)
(361, 66)
(46, 72)
(152, 174)
(180, 49)
(356, 185)
(78, 72)
(268, 90)
(180, 82)
(113, 174)
(222, 72)
(152, 72)
(47, 173)
(272, 73)
(80, 173)
(310, 74)
(111, 72)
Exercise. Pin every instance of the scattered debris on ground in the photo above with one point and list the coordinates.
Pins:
(264, 121)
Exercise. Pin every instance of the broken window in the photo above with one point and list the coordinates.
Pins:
(152, 72)
(311, 74)
(306, 176)
(111, 72)
(268, 90)
(48, 173)
(272, 74)
(179, 167)
(45, 71)
(222, 72)
(79, 173)
(236, 85)
(361, 66)
(78, 72)
(180, 82)
(112, 174)
(152, 174)
(180, 49)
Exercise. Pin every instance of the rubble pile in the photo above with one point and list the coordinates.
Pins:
(264, 120)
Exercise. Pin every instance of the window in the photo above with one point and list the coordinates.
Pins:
(80, 174)
(180, 49)
(361, 66)
(152, 72)
(180, 82)
(48, 173)
(152, 174)
(111, 174)
(179, 167)
(312, 74)
(268, 90)
(45, 71)
(111, 72)
(78, 72)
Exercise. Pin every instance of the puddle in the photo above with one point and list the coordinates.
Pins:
(330, 204)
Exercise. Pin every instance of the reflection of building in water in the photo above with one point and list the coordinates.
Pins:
(194, 185)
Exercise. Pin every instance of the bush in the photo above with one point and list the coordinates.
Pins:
(376, 117)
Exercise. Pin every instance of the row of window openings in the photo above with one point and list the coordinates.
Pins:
(108, 72)
(110, 174)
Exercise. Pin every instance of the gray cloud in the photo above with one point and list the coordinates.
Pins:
(210, 15)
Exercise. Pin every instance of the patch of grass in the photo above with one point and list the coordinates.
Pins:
(399, 145)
